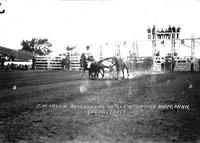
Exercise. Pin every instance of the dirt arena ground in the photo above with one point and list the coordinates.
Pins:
(61, 107)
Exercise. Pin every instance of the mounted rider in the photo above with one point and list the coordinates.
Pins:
(85, 61)
(94, 67)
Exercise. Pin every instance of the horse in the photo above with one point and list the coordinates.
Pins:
(119, 64)
(93, 68)
(84, 66)
(96, 68)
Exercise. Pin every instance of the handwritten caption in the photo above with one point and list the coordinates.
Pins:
(113, 109)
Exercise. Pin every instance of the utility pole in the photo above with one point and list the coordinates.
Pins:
(172, 51)
(153, 52)
(192, 46)
(136, 49)
(117, 46)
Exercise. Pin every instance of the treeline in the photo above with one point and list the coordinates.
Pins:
(37, 46)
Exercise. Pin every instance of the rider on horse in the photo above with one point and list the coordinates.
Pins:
(93, 67)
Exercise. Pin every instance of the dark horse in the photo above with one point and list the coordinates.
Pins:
(98, 67)
(93, 68)
(120, 65)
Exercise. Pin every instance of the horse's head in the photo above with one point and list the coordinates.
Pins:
(114, 60)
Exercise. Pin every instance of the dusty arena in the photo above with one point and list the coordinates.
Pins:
(61, 107)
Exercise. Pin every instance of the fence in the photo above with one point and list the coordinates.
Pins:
(46, 63)
(140, 63)
(182, 65)
(75, 62)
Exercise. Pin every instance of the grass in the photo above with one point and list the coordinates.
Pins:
(48, 107)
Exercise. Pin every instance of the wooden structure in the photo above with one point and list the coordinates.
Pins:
(47, 63)
(75, 62)
(182, 65)
(173, 37)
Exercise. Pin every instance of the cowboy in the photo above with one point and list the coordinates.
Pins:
(162, 33)
(166, 33)
(174, 31)
(178, 31)
(162, 64)
(2, 61)
(149, 33)
(159, 34)
(169, 30)
(154, 31)
(192, 64)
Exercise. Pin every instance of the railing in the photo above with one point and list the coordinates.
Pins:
(46, 63)
(75, 63)
(163, 35)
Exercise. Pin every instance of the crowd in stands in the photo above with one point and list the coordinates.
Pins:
(10, 66)
(2, 61)
(170, 62)
(171, 32)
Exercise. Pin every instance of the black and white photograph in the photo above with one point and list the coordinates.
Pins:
(99, 71)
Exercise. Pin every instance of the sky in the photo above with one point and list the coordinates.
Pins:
(94, 22)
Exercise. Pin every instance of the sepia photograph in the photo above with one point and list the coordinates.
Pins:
(99, 71)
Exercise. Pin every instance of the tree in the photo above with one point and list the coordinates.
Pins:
(68, 48)
(38, 46)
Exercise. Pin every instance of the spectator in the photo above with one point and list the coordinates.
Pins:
(162, 33)
(154, 31)
(170, 31)
(174, 31)
(2, 61)
(158, 53)
(158, 34)
(63, 64)
(193, 63)
(173, 63)
(162, 64)
(33, 63)
(166, 33)
(149, 33)
(178, 31)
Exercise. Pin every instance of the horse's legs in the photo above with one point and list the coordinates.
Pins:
(127, 70)
(102, 73)
(92, 76)
(117, 74)
(123, 72)
(89, 74)
(83, 73)
(95, 74)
